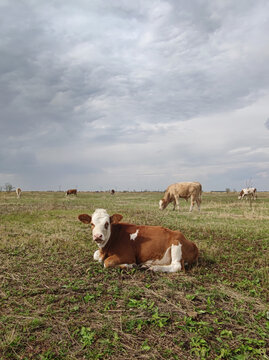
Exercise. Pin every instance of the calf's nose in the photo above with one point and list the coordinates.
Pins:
(97, 237)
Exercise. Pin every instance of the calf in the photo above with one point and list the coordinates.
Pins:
(126, 245)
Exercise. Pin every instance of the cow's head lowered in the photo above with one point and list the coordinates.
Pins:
(162, 204)
(165, 201)
(100, 222)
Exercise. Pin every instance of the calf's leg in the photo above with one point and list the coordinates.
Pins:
(115, 261)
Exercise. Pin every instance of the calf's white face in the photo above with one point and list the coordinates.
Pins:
(101, 227)
(161, 205)
(100, 223)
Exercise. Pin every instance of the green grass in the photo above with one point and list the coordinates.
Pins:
(57, 303)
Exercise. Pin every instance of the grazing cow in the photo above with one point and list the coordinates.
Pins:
(126, 245)
(18, 192)
(183, 190)
(112, 192)
(248, 192)
(71, 192)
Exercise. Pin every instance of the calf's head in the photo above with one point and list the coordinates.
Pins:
(100, 222)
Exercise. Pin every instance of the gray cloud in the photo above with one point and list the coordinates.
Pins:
(98, 77)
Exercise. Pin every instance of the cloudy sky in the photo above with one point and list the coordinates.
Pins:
(134, 94)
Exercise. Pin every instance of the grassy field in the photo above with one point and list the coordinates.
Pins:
(57, 303)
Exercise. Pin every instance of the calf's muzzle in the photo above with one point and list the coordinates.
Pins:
(98, 238)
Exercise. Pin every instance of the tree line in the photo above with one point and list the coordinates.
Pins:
(7, 187)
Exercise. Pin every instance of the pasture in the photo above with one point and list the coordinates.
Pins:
(57, 303)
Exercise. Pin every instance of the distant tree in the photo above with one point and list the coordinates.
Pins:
(1, 188)
(227, 190)
(8, 187)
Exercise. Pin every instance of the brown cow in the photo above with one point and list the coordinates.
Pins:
(183, 190)
(126, 245)
(71, 192)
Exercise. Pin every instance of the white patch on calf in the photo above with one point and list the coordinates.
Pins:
(134, 235)
(96, 256)
(174, 253)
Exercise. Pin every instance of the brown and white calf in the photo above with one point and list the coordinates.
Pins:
(248, 192)
(18, 192)
(71, 192)
(183, 190)
(126, 245)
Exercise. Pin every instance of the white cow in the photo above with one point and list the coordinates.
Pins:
(248, 192)
(18, 192)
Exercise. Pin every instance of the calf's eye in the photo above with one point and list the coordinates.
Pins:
(106, 225)
(92, 225)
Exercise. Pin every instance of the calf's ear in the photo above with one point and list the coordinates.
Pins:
(114, 219)
(85, 218)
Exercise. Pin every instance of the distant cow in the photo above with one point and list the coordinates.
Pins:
(248, 192)
(18, 192)
(183, 190)
(71, 192)
(112, 192)
(126, 245)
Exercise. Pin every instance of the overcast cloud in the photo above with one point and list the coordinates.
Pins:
(134, 95)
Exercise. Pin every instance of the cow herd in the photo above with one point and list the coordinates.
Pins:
(156, 248)
(174, 192)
